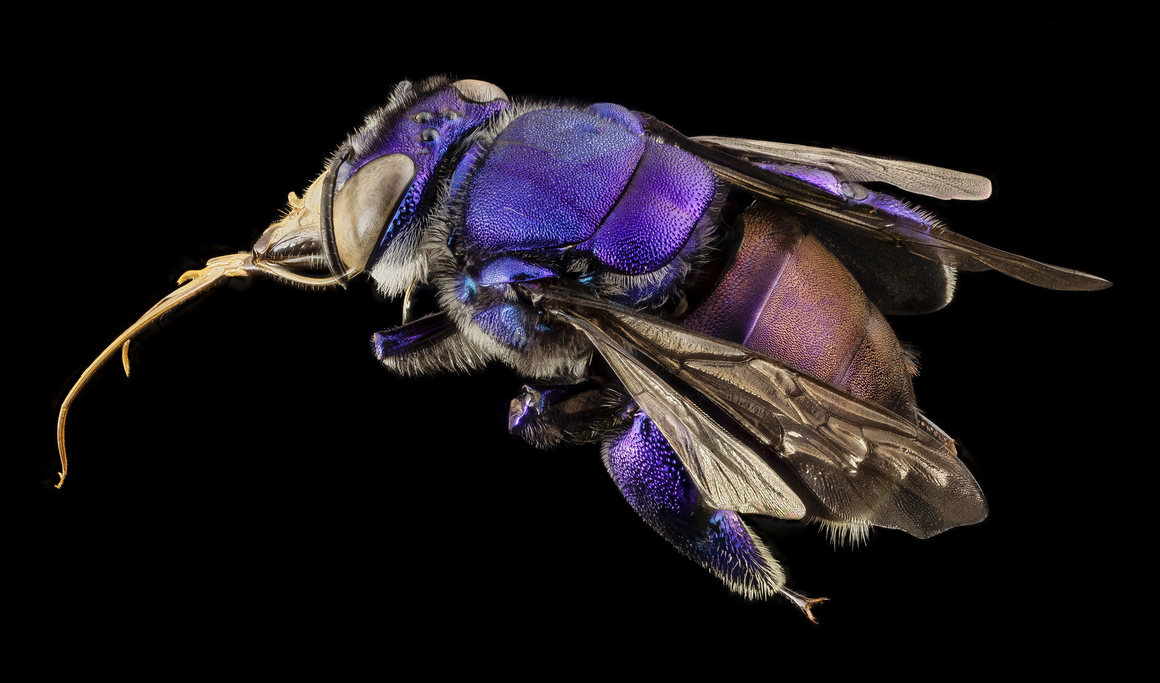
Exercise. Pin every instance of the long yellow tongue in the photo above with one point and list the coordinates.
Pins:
(193, 282)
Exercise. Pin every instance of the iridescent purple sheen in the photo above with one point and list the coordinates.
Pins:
(655, 216)
(463, 168)
(444, 110)
(510, 269)
(511, 325)
(445, 113)
(404, 338)
(899, 209)
(814, 176)
(548, 180)
(556, 178)
(615, 112)
(730, 539)
(892, 206)
(650, 475)
(656, 485)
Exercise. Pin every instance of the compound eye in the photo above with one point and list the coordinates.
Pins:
(364, 205)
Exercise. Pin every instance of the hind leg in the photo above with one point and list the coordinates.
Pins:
(656, 485)
(653, 481)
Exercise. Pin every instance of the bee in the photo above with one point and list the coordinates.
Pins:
(711, 312)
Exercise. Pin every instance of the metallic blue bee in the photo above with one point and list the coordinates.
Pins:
(709, 310)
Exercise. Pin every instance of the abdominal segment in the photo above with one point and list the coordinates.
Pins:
(787, 297)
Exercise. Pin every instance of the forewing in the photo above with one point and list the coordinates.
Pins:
(860, 462)
(902, 226)
(923, 179)
(729, 474)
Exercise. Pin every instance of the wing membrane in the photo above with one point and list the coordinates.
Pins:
(908, 229)
(730, 475)
(923, 179)
(859, 461)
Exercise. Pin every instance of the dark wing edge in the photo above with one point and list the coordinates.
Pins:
(773, 428)
(928, 240)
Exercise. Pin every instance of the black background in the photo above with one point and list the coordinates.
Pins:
(263, 497)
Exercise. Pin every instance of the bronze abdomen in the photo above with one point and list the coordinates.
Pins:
(786, 296)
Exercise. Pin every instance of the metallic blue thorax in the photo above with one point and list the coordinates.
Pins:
(588, 181)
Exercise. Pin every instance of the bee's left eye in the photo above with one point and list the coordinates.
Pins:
(364, 205)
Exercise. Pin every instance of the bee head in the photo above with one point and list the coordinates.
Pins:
(366, 209)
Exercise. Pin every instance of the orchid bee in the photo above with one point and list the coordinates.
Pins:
(709, 312)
